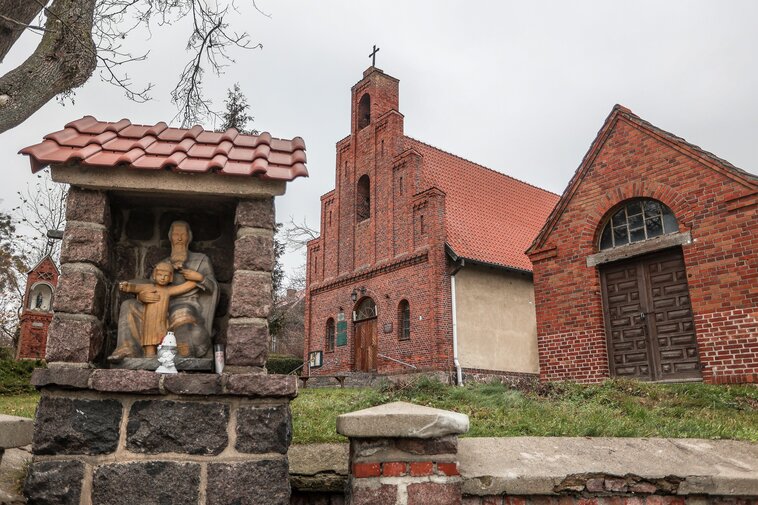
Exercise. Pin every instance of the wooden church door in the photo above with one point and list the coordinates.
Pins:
(648, 318)
(365, 346)
(365, 337)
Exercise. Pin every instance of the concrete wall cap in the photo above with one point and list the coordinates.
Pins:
(15, 431)
(402, 420)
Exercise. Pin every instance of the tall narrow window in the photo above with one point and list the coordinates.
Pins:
(422, 226)
(404, 320)
(364, 111)
(329, 334)
(363, 199)
(401, 184)
(330, 218)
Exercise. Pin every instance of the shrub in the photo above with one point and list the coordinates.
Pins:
(15, 376)
(282, 364)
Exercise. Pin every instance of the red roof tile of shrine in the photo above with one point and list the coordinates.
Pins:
(158, 147)
(489, 217)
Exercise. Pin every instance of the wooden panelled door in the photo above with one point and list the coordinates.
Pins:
(648, 318)
(365, 345)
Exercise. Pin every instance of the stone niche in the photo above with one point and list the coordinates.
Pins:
(140, 228)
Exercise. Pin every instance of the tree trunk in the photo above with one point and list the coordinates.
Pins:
(16, 15)
(64, 59)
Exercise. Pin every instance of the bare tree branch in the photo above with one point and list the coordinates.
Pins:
(297, 235)
(101, 28)
(64, 59)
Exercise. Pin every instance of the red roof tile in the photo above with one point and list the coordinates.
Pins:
(194, 150)
(489, 217)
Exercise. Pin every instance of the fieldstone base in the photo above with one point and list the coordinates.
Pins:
(117, 437)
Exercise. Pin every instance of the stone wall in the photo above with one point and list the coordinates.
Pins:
(126, 436)
(403, 454)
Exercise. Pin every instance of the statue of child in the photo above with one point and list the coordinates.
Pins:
(155, 318)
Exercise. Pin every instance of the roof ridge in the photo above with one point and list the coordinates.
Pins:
(140, 125)
(478, 165)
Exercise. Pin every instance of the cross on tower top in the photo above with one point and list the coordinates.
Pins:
(373, 55)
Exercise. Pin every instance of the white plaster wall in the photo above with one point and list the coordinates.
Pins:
(497, 324)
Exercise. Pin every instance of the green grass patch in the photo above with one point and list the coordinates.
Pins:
(23, 405)
(615, 408)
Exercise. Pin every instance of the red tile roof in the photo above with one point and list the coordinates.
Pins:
(490, 217)
(194, 150)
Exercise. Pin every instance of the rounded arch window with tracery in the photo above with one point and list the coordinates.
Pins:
(637, 220)
(366, 309)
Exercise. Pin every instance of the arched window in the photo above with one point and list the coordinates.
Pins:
(365, 310)
(363, 199)
(636, 221)
(330, 334)
(404, 320)
(364, 111)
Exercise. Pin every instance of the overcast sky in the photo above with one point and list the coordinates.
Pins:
(521, 87)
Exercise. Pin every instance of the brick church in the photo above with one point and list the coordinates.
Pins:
(420, 264)
(648, 266)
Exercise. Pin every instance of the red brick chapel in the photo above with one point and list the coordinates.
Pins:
(37, 311)
(420, 264)
(648, 266)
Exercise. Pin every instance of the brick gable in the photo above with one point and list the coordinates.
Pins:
(714, 201)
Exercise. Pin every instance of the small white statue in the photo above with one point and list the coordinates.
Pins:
(166, 354)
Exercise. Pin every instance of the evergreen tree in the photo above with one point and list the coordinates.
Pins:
(236, 114)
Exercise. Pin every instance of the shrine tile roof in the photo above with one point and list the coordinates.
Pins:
(489, 217)
(159, 147)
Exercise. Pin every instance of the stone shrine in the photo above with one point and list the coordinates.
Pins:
(108, 429)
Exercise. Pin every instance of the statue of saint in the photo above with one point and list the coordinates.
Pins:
(190, 315)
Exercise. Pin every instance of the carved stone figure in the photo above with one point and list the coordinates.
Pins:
(190, 315)
(155, 314)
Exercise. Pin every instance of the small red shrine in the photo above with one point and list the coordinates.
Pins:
(37, 311)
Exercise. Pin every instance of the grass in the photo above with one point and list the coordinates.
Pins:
(22, 405)
(613, 409)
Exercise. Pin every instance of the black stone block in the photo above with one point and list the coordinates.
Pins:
(265, 428)
(54, 482)
(67, 426)
(150, 482)
(249, 483)
(157, 426)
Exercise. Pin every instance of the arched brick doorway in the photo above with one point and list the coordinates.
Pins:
(365, 336)
(648, 316)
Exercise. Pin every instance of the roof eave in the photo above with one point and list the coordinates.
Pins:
(474, 261)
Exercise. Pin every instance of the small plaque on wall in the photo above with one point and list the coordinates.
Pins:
(387, 327)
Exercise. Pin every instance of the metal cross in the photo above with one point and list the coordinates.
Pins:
(373, 56)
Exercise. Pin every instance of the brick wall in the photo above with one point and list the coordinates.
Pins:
(715, 204)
